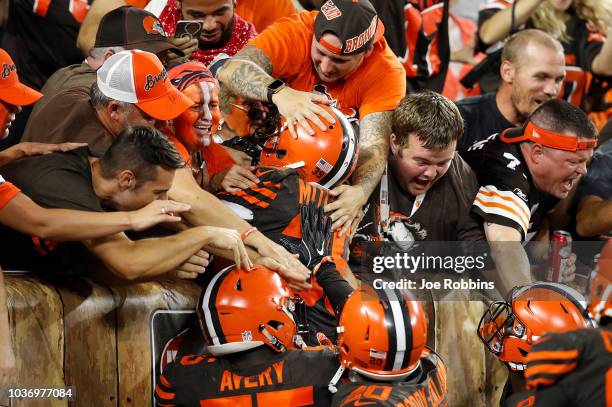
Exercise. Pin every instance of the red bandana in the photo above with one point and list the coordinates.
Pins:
(243, 31)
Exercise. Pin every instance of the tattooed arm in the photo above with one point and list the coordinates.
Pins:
(374, 133)
(248, 75)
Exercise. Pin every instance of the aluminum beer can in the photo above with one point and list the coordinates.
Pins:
(559, 253)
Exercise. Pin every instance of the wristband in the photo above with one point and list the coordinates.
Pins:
(326, 259)
(273, 89)
(218, 63)
(247, 232)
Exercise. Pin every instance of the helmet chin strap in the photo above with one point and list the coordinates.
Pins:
(334, 380)
(274, 341)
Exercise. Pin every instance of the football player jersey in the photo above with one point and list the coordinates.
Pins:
(292, 378)
(273, 207)
(427, 52)
(570, 369)
(507, 195)
(428, 390)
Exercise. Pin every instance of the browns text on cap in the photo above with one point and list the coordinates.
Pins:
(354, 22)
(139, 77)
(11, 90)
(133, 28)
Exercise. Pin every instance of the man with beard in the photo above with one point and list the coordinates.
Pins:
(223, 31)
(532, 71)
(335, 55)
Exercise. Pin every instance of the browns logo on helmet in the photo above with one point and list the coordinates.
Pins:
(381, 334)
(327, 157)
(509, 328)
(600, 287)
(240, 310)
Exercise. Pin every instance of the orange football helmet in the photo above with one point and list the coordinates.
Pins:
(327, 157)
(382, 334)
(600, 286)
(240, 310)
(509, 328)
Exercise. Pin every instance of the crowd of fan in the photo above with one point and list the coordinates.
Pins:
(283, 142)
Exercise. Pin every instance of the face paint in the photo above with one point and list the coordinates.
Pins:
(197, 124)
(211, 104)
(7, 115)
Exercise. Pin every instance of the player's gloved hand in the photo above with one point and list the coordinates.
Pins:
(316, 236)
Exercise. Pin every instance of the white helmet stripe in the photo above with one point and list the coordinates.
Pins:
(346, 165)
(400, 329)
(206, 308)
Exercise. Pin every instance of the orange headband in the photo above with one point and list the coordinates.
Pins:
(546, 138)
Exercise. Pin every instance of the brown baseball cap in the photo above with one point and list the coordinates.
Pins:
(354, 22)
(133, 28)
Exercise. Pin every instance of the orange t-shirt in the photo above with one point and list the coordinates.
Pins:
(263, 13)
(7, 192)
(377, 85)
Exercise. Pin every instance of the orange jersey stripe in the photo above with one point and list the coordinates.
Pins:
(557, 369)
(552, 355)
(164, 381)
(272, 184)
(41, 7)
(534, 384)
(494, 194)
(251, 199)
(504, 207)
(164, 394)
(236, 401)
(264, 191)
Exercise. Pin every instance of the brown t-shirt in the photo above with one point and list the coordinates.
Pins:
(71, 76)
(68, 116)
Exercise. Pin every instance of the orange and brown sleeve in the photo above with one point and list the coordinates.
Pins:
(7, 192)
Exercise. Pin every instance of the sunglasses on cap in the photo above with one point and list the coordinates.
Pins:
(547, 138)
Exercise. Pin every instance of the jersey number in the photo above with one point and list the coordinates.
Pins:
(380, 393)
(302, 396)
(574, 85)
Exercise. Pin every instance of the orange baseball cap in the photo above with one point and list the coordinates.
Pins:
(139, 77)
(11, 90)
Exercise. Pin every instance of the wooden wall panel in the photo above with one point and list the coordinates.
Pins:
(136, 304)
(91, 348)
(36, 321)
